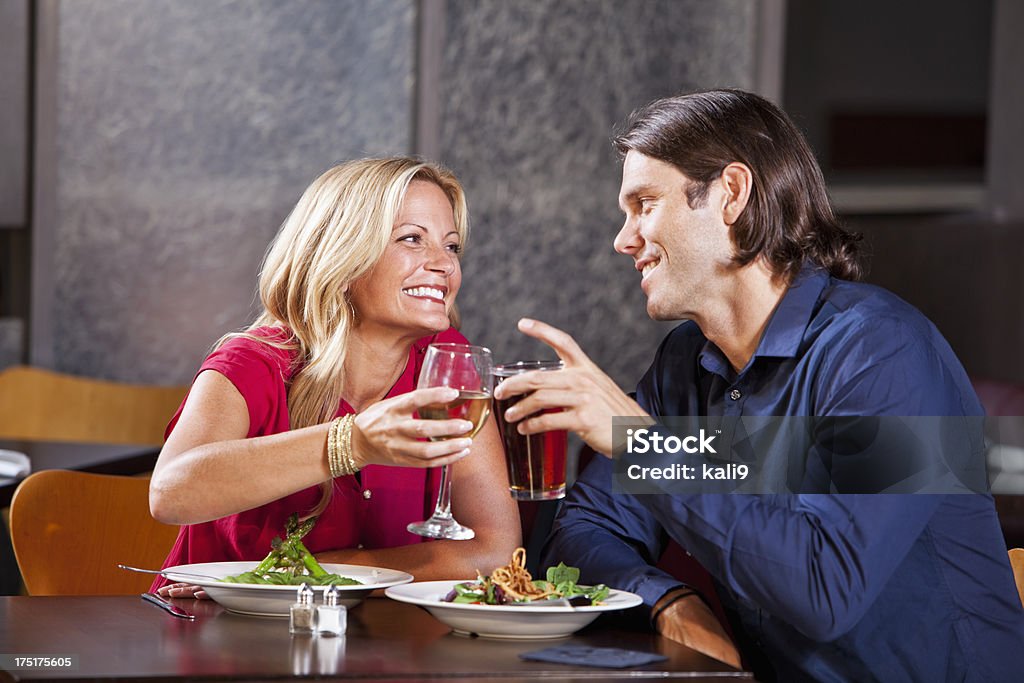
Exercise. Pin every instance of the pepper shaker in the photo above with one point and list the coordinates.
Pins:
(331, 617)
(301, 613)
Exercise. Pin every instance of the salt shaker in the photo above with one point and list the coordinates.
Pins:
(331, 617)
(301, 612)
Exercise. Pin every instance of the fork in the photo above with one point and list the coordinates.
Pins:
(164, 572)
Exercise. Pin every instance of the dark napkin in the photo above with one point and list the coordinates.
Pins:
(602, 657)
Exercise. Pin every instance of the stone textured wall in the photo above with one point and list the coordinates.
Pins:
(188, 128)
(186, 131)
(532, 90)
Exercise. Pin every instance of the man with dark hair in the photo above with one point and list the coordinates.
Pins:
(729, 224)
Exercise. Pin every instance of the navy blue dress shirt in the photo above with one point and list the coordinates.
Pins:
(819, 587)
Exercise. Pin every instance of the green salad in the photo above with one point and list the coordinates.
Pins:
(290, 563)
(513, 584)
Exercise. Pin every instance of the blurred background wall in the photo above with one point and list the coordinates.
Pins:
(184, 133)
(918, 121)
(175, 135)
(530, 93)
(161, 143)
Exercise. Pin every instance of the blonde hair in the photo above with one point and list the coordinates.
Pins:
(336, 233)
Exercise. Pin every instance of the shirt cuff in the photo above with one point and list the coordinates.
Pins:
(653, 588)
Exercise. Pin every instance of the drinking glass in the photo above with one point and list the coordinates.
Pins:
(468, 369)
(536, 462)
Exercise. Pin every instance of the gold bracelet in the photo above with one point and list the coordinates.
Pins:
(348, 462)
(334, 462)
(340, 460)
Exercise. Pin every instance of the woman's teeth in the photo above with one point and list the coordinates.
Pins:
(430, 292)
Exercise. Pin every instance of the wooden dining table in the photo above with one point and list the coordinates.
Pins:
(124, 637)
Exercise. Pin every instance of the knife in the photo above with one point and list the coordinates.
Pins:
(165, 605)
(548, 602)
(575, 601)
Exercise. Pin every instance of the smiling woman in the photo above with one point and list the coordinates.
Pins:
(312, 409)
(412, 288)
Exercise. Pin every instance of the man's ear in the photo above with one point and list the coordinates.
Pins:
(737, 183)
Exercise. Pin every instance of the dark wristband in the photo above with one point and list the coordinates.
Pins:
(681, 593)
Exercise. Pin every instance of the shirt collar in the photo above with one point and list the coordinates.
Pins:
(789, 321)
(786, 327)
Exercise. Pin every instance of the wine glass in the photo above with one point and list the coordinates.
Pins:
(468, 369)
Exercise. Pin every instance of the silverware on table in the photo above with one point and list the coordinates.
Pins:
(163, 573)
(550, 602)
(166, 605)
(570, 603)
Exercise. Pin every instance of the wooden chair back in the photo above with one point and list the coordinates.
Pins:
(71, 529)
(1017, 562)
(42, 405)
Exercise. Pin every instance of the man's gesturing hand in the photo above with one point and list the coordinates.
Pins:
(589, 399)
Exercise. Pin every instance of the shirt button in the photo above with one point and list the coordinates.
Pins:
(367, 494)
(735, 394)
(359, 547)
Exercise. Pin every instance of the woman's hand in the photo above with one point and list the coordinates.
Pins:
(388, 432)
(182, 590)
(589, 398)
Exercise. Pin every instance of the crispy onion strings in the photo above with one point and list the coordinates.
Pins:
(517, 582)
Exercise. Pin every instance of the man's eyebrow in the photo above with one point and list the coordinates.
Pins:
(632, 194)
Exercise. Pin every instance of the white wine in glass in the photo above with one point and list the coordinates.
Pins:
(468, 369)
(473, 406)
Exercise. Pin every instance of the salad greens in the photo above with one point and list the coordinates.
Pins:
(290, 563)
(559, 582)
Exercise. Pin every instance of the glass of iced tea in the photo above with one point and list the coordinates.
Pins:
(536, 462)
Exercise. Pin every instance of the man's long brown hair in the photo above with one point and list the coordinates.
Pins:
(788, 219)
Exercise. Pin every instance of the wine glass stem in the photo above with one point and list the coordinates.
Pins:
(444, 495)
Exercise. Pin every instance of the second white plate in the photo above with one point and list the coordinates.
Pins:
(504, 621)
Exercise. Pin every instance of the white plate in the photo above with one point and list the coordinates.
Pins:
(504, 621)
(274, 601)
(13, 465)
